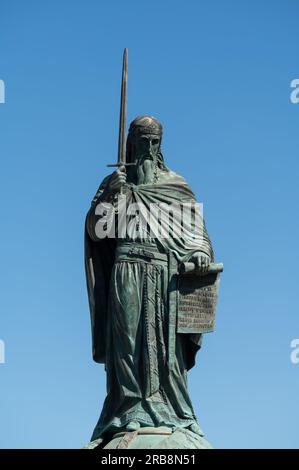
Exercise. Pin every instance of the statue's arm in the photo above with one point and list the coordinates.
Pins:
(204, 255)
(103, 194)
(107, 191)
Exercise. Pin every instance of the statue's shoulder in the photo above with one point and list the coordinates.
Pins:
(173, 177)
(177, 183)
(104, 184)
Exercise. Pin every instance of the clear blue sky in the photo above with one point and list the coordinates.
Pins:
(217, 74)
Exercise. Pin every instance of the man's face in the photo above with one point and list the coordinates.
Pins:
(147, 146)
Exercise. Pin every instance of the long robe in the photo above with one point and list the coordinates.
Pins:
(133, 311)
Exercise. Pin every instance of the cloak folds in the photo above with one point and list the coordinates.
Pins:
(99, 260)
(100, 254)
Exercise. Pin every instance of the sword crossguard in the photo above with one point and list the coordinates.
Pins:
(120, 164)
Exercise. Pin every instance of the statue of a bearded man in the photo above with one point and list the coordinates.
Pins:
(132, 279)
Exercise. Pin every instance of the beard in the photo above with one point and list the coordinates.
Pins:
(145, 170)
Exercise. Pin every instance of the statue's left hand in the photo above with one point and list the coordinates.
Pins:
(201, 261)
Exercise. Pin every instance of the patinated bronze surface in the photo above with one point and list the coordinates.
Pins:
(138, 237)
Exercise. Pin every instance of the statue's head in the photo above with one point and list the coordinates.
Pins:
(144, 139)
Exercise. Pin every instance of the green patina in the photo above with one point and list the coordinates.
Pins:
(132, 282)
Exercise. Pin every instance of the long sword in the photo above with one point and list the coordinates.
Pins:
(121, 158)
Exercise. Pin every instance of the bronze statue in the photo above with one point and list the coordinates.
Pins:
(147, 322)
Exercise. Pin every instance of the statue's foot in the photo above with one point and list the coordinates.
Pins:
(196, 429)
(133, 426)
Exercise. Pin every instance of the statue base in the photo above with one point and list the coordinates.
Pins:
(153, 438)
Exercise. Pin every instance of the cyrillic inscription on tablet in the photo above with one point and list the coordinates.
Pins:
(197, 299)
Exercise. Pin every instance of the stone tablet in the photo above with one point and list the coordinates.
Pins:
(197, 299)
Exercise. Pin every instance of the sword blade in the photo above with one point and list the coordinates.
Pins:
(123, 111)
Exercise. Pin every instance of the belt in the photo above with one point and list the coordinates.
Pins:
(132, 251)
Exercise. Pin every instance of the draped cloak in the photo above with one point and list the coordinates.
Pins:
(108, 284)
